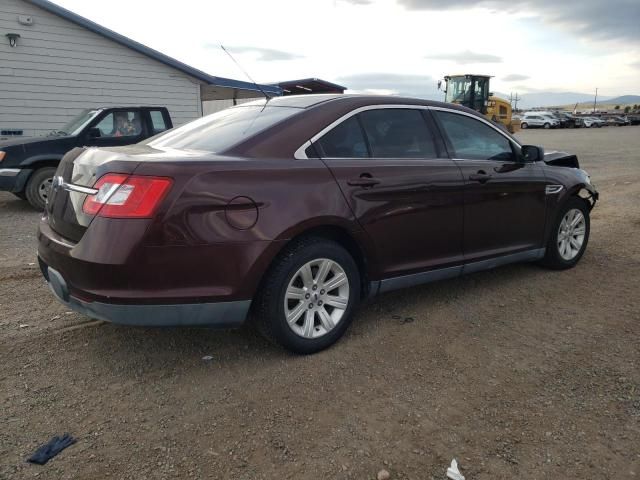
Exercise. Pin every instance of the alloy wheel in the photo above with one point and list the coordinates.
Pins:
(316, 298)
(571, 234)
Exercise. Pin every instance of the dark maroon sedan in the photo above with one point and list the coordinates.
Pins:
(293, 210)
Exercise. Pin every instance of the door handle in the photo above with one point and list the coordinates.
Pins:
(363, 181)
(481, 176)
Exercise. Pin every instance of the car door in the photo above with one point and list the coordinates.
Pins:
(504, 196)
(116, 128)
(406, 196)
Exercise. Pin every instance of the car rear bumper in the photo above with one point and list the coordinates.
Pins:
(218, 314)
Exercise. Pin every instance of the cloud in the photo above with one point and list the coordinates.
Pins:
(515, 77)
(466, 57)
(596, 19)
(264, 54)
(421, 86)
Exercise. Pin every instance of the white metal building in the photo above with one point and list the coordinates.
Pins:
(55, 63)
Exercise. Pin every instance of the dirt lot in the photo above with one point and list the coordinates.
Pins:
(519, 373)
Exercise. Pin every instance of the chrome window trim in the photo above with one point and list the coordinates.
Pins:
(301, 155)
(300, 152)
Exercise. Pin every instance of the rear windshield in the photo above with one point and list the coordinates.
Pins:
(221, 130)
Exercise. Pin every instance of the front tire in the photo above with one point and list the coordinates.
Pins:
(570, 235)
(524, 125)
(38, 187)
(307, 300)
(547, 126)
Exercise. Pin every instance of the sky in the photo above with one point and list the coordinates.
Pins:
(394, 46)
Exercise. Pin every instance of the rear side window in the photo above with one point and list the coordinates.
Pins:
(398, 133)
(346, 140)
(222, 130)
(157, 121)
(473, 139)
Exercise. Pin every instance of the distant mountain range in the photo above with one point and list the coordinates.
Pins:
(624, 100)
(551, 99)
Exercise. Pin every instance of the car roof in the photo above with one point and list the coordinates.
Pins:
(124, 107)
(312, 100)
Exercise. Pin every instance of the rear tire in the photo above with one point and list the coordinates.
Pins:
(38, 187)
(568, 242)
(317, 318)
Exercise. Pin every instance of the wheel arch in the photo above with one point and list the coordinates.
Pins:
(338, 231)
(581, 190)
(32, 167)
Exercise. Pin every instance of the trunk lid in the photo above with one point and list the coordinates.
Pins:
(76, 174)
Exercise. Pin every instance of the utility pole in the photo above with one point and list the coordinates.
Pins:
(514, 100)
(595, 100)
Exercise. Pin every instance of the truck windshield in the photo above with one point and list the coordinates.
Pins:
(75, 126)
(458, 90)
(221, 130)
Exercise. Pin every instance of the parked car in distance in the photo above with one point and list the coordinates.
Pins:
(634, 119)
(617, 121)
(530, 120)
(588, 122)
(577, 122)
(27, 165)
(296, 209)
(563, 121)
(595, 122)
(567, 120)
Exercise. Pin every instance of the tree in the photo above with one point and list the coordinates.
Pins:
(627, 109)
(617, 107)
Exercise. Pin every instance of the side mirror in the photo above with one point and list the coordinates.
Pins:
(94, 132)
(531, 153)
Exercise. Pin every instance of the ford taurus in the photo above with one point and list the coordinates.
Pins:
(290, 211)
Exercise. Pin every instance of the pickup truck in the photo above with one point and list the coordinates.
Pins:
(27, 165)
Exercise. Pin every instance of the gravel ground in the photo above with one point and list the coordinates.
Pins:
(519, 373)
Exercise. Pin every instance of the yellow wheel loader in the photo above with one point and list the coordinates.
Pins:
(472, 91)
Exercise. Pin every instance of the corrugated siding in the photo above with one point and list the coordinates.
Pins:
(59, 69)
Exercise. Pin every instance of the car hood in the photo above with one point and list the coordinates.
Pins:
(561, 159)
(27, 142)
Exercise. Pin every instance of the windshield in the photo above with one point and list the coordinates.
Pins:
(470, 91)
(458, 90)
(75, 126)
(221, 130)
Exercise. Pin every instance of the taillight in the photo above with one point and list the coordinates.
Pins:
(126, 196)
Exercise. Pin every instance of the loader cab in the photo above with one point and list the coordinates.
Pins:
(471, 91)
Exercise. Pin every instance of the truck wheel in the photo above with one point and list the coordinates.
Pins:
(38, 186)
(308, 298)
